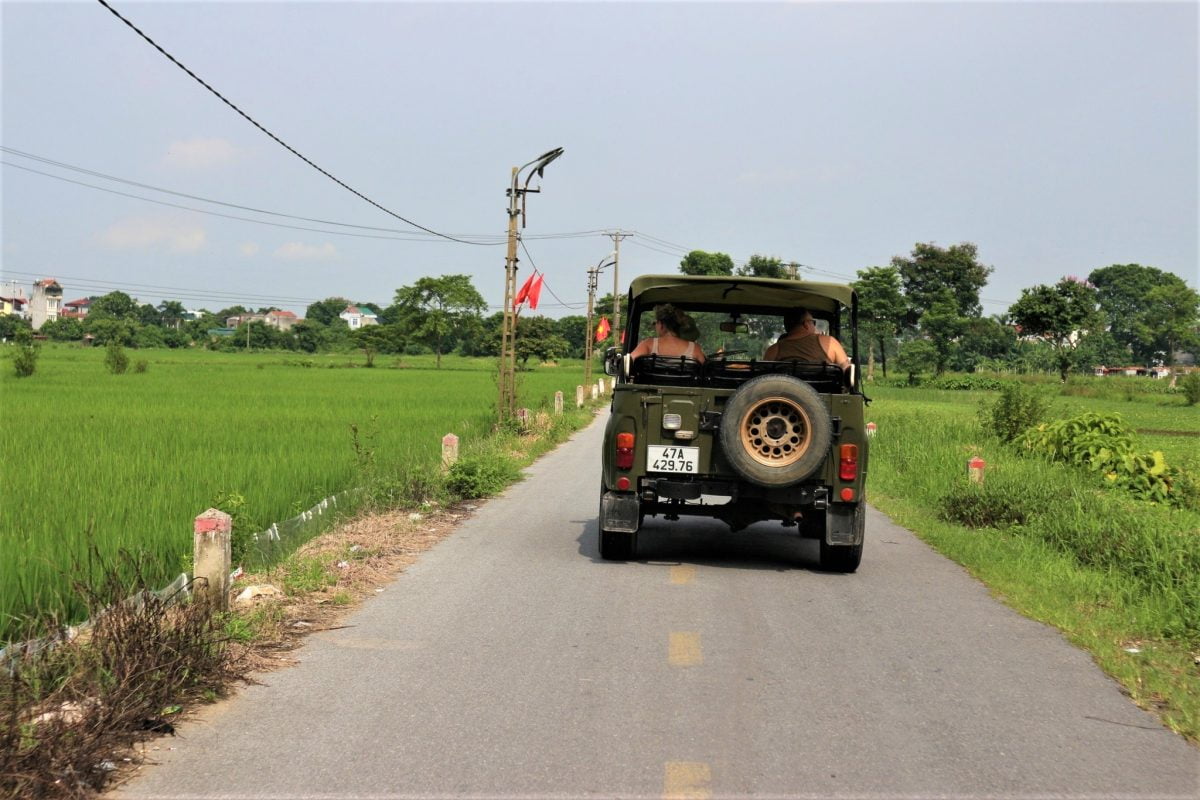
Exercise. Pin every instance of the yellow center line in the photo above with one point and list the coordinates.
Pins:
(686, 780)
(682, 573)
(683, 649)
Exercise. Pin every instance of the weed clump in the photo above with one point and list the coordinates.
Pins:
(25, 360)
(994, 505)
(1018, 407)
(481, 475)
(115, 357)
(1191, 387)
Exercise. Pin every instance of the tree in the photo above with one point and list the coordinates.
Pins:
(325, 312)
(374, 339)
(63, 329)
(1060, 314)
(536, 336)
(1171, 314)
(114, 305)
(699, 262)
(434, 307)
(11, 325)
(943, 325)
(916, 356)
(930, 269)
(880, 309)
(171, 312)
(769, 267)
(109, 330)
(1123, 292)
(573, 329)
(983, 339)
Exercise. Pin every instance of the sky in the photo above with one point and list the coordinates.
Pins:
(1059, 138)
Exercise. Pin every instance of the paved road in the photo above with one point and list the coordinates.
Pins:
(512, 662)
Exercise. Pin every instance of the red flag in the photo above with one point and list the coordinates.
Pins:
(602, 330)
(524, 291)
(535, 292)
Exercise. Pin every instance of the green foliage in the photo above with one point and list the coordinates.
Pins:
(481, 475)
(1191, 387)
(141, 365)
(63, 329)
(114, 306)
(994, 504)
(243, 525)
(699, 262)
(304, 574)
(930, 270)
(1147, 309)
(115, 357)
(433, 309)
(1059, 314)
(967, 382)
(325, 312)
(1101, 443)
(916, 356)
(25, 360)
(769, 267)
(1016, 408)
(11, 325)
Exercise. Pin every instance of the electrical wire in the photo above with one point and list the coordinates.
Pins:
(546, 286)
(279, 141)
(86, 171)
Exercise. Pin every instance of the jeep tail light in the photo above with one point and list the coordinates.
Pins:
(624, 451)
(848, 470)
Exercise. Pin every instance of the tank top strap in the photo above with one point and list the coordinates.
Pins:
(691, 350)
(654, 346)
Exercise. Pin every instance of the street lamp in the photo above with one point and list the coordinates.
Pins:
(508, 338)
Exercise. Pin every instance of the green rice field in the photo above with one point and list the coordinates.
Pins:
(127, 461)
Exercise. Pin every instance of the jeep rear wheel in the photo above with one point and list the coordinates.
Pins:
(775, 431)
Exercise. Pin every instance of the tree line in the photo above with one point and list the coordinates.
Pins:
(920, 313)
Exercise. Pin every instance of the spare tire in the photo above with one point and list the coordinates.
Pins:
(775, 431)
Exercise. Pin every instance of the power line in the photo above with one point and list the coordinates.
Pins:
(86, 171)
(545, 286)
(282, 143)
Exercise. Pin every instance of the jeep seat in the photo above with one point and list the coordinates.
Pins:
(667, 370)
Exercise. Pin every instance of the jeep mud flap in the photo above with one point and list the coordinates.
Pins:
(620, 511)
(844, 525)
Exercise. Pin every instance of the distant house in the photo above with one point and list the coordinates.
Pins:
(77, 309)
(281, 320)
(358, 318)
(12, 299)
(242, 319)
(46, 303)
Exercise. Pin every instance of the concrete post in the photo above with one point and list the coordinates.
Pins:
(212, 532)
(579, 397)
(595, 391)
(871, 428)
(449, 450)
(558, 402)
(975, 469)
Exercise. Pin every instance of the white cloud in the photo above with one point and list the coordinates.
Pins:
(299, 251)
(199, 153)
(248, 249)
(142, 233)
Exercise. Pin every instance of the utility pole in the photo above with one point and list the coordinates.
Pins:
(617, 236)
(593, 276)
(589, 346)
(507, 402)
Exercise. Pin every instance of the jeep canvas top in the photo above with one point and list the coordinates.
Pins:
(736, 438)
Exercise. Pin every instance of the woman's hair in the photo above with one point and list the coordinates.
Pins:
(669, 316)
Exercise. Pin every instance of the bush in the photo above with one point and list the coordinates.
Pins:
(25, 361)
(967, 382)
(141, 366)
(115, 357)
(1018, 407)
(481, 476)
(1191, 387)
(999, 504)
(1101, 443)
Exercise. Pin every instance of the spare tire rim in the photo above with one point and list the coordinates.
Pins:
(775, 432)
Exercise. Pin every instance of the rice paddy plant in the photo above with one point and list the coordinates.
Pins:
(127, 461)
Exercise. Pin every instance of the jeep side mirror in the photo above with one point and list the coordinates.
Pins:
(612, 361)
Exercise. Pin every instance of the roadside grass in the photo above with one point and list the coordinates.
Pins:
(125, 462)
(1113, 573)
(72, 715)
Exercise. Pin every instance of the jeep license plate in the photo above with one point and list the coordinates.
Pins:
(669, 458)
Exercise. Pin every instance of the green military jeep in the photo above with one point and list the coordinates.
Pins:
(736, 438)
